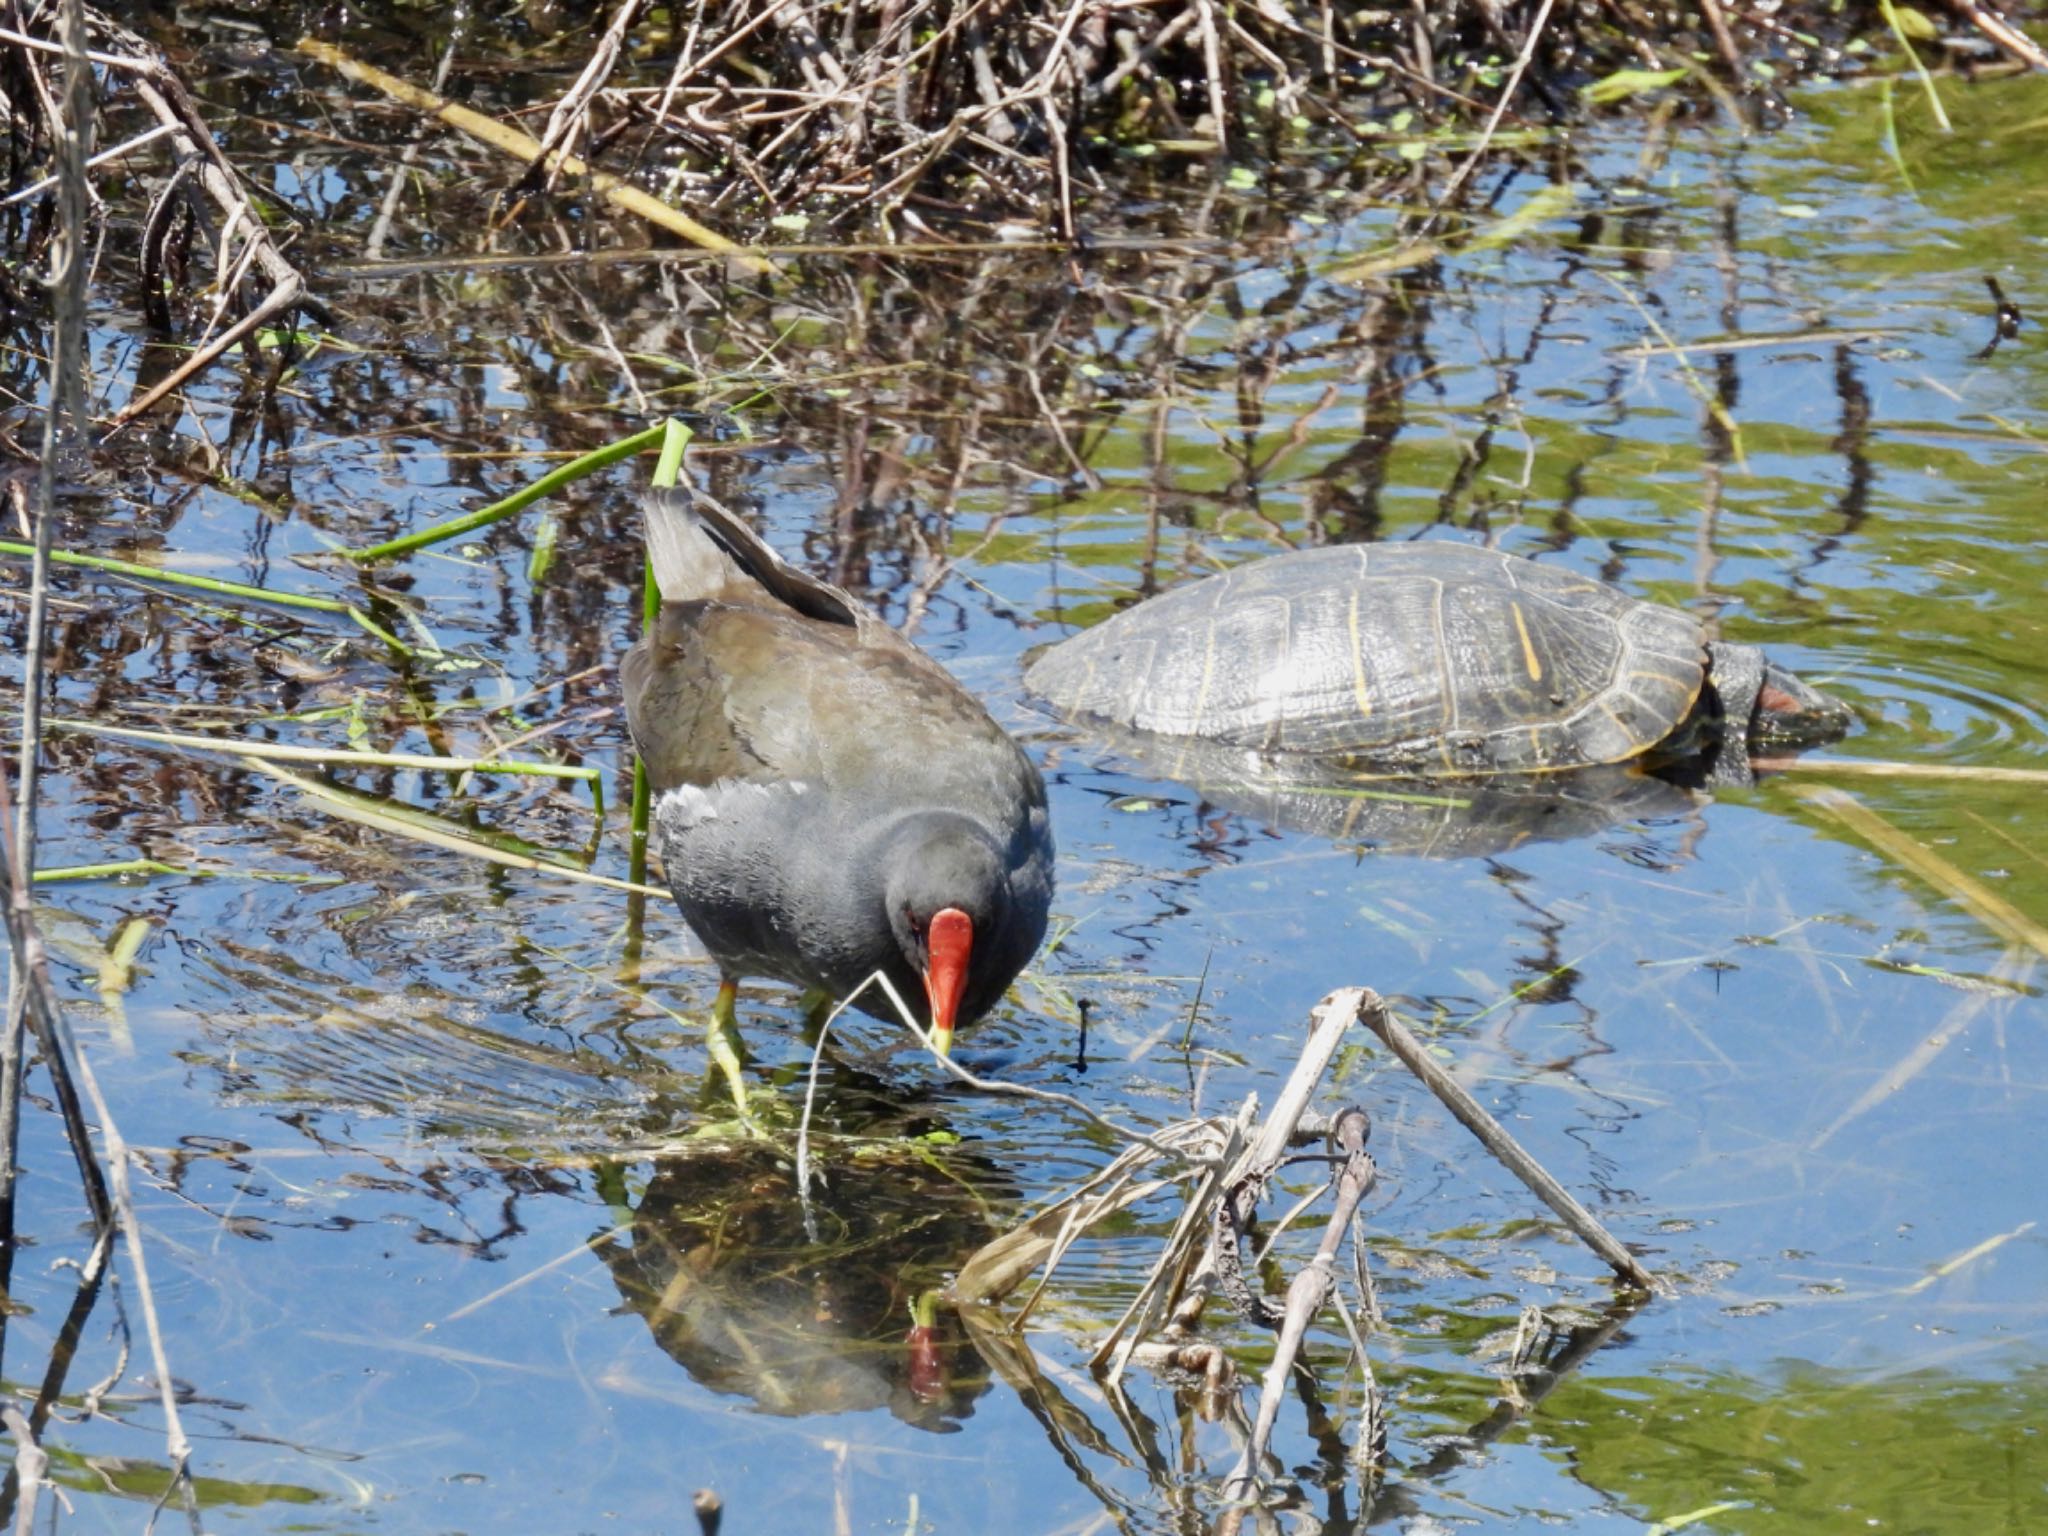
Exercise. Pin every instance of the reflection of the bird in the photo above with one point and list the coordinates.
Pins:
(720, 1260)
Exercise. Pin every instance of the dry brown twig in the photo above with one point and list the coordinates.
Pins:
(1313, 1287)
(1500, 107)
(512, 141)
(32, 1000)
(242, 246)
(2003, 33)
(572, 112)
(1724, 40)
(1237, 1194)
(1509, 1152)
(1199, 1259)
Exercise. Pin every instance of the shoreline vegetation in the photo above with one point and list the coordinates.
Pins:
(773, 119)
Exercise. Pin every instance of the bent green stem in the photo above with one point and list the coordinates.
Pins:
(216, 586)
(517, 502)
(281, 752)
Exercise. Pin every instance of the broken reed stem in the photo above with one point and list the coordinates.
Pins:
(1724, 41)
(518, 501)
(1989, 908)
(2003, 33)
(64, 414)
(1329, 1023)
(572, 111)
(360, 809)
(113, 871)
(176, 1444)
(1891, 17)
(243, 233)
(1500, 107)
(105, 156)
(30, 1462)
(1157, 1295)
(1312, 1286)
(211, 584)
(279, 301)
(1880, 768)
(31, 969)
(121, 869)
(343, 756)
(1494, 1137)
(522, 146)
(1163, 1292)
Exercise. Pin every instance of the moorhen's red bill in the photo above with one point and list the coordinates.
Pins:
(829, 801)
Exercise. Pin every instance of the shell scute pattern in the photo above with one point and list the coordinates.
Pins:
(1432, 657)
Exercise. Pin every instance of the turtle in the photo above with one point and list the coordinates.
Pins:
(1432, 660)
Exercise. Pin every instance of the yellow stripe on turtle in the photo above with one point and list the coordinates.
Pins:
(1637, 746)
(1685, 689)
(1358, 692)
(1528, 648)
(1208, 674)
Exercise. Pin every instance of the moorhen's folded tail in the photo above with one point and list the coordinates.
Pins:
(700, 552)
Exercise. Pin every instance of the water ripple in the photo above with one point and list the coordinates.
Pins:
(1947, 709)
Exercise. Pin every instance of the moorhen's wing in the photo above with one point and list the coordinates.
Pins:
(736, 692)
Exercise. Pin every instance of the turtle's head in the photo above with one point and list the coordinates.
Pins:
(1773, 710)
(1791, 715)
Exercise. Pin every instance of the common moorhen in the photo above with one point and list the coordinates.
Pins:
(829, 801)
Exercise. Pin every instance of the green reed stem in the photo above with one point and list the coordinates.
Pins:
(421, 827)
(214, 585)
(517, 502)
(126, 867)
(293, 754)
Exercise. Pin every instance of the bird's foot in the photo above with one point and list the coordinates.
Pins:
(756, 1115)
(729, 1056)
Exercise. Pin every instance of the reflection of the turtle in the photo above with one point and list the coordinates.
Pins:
(826, 1311)
(1443, 819)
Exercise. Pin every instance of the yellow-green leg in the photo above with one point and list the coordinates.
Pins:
(728, 1055)
(817, 1005)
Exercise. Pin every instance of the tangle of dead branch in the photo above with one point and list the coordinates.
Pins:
(889, 111)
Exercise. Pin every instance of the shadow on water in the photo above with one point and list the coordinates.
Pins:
(449, 1235)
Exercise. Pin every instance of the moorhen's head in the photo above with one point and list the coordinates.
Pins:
(948, 895)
